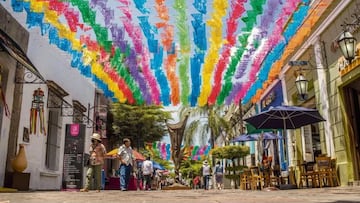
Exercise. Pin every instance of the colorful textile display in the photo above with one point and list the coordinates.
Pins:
(37, 111)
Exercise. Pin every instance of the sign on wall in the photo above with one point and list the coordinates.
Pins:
(273, 98)
(73, 156)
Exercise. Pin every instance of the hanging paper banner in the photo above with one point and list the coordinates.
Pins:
(216, 41)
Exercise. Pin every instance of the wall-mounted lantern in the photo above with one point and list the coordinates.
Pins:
(347, 44)
(302, 86)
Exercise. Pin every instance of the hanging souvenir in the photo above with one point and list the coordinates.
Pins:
(37, 110)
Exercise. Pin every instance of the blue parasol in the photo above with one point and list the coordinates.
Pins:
(156, 165)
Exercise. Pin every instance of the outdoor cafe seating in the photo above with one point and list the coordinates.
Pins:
(321, 173)
(257, 178)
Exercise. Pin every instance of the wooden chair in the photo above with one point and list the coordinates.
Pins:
(308, 176)
(245, 180)
(256, 178)
(334, 178)
(324, 168)
(275, 176)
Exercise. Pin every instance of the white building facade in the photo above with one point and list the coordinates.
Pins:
(67, 96)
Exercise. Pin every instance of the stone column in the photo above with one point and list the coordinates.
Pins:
(323, 98)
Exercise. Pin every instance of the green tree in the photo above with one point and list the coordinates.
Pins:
(232, 152)
(190, 168)
(206, 120)
(142, 124)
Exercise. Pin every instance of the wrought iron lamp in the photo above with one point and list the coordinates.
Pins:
(346, 41)
(302, 86)
(347, 44)
(301, 82)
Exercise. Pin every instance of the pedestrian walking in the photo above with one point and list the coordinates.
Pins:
(126, 157)
(97, 153)
(205, 173)
(139, 175)
(148, 171)
(219, 173)
(196, 182)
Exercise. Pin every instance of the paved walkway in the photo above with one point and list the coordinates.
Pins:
(326, 195)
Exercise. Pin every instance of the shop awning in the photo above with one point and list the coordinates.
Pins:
(13, 49)
(250, 129)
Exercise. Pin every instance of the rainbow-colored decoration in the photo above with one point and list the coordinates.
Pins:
(162, 150)
(179, 51)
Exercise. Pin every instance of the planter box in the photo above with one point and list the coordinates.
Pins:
(17, 180)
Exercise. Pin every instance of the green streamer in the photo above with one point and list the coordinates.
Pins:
(184, 40)
(101, 33)
(227, 86)
(250, 21)
(183, 70)
(117, 62)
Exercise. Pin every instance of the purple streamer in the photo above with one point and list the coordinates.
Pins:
(267, 19)
(131, 61)
(236, 88)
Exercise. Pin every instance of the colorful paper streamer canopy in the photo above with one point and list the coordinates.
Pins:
(176, 52)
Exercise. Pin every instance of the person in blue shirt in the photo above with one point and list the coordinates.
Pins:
(127, 160)
(219, 173)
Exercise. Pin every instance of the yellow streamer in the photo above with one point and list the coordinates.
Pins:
(38, 6)
(216, 41)
(89, 57)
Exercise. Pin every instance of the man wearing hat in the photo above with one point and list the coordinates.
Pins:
(126, 157)
(205, 172)
(97, 153)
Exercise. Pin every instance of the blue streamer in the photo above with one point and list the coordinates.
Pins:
(60, 43)
(103, 87)
(33, 19)
(168, 152)
(157, 59)
(273, 56)
(200, 6)
(196, 62)
(156, 62)
(139, 4)
(17, 6)
(199, 31)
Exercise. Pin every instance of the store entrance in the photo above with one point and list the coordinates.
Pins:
(352, 105)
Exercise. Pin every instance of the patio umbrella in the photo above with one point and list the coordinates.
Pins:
(156, 165)
(137, 155)
(260, 137)
(285, 117)
(256, 136)
(243, 138)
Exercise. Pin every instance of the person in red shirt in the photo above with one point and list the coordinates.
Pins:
(196, 182)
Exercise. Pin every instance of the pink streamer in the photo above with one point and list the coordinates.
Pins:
(163, 150)
(136, 36)
(276, 36)
(232, 25)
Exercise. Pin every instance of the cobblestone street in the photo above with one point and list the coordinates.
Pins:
(328, 195)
